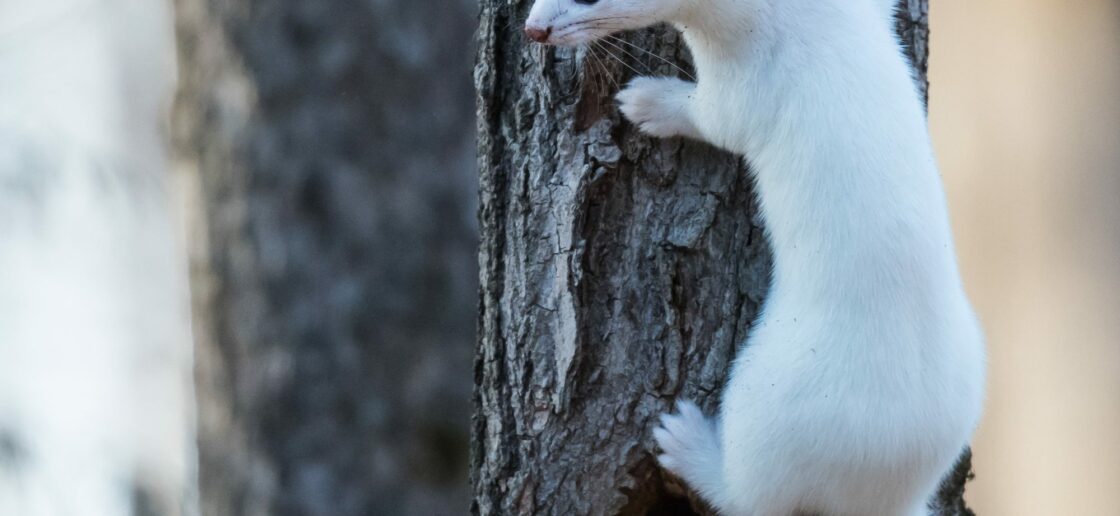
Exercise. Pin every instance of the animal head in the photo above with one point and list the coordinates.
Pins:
(573, 22)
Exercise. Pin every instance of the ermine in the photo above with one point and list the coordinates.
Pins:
(862, 379)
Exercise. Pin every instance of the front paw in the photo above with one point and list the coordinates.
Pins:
(659, 106)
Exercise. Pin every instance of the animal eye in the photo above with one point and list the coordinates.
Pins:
(587, 2)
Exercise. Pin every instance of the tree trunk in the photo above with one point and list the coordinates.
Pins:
(95, 392)
(619, 273)
(330, 145)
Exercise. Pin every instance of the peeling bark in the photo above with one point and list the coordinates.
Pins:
(618, 273)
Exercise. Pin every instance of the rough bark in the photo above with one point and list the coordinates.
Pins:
(331, 143)
(618, 273)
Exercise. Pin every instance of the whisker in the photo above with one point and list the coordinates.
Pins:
(662, 59)
(571, 29)
(620, 61)
(609, 73)
(591, 21)
(586, 71)
(632, 56)
(602, 66)
(516, 19)
(601, 18)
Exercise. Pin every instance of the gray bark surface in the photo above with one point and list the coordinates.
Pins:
(331, 144)
(618, 273)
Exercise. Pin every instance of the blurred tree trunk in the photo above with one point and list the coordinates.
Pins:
(330, 145)
(618, 274)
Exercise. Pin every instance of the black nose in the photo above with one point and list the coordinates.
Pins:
(538, 34)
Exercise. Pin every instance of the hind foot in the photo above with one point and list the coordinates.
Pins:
(690, 449)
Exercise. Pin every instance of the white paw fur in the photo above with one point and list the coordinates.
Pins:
(690, 448)
(659, 106)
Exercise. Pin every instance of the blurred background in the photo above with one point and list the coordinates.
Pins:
(278, 283)
(1026, 123)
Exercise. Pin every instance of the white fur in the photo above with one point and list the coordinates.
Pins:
(862, 380)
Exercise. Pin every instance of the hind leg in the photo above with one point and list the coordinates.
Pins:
(690, 449)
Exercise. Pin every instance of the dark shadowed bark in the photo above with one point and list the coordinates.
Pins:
(618, 274)
(331, 143)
